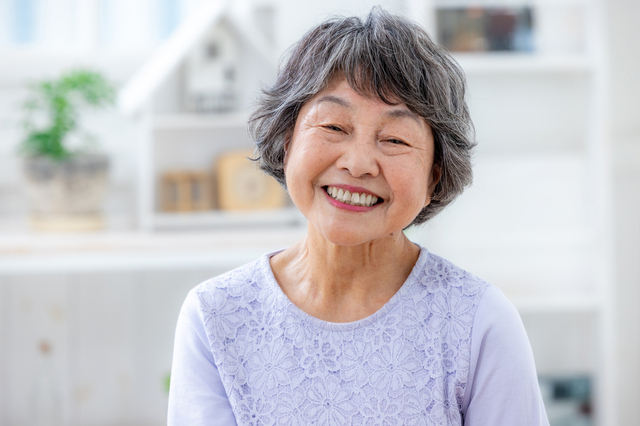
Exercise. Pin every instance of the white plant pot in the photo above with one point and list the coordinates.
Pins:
(66, 195)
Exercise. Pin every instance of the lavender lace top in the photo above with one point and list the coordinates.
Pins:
(447, 349)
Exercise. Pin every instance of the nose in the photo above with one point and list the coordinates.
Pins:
(359, 156)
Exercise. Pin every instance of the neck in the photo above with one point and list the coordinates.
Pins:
(341, 284)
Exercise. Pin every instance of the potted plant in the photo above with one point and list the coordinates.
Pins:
(65, 185)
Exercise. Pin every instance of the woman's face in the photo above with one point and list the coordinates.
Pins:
(343, 141)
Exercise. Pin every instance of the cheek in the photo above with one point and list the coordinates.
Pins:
(413, 181)
(307, 157)
(304, 163)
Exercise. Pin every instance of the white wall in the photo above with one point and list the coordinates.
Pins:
(624, 46)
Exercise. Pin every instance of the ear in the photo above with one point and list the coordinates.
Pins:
(436, 174)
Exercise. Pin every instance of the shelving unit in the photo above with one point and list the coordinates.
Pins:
(536, 222)
(206, 136)
(174, 139)
(37, 255)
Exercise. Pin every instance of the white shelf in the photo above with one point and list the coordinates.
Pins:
(528, 63)
(128, 261)
(223, 259)
(200, 121)
(36, 253)
(281, 217)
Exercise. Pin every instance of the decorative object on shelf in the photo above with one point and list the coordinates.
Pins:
(186, 191)
(211, 73)
(567, 399)
(65, 185)
(479, 29)
(243, 186)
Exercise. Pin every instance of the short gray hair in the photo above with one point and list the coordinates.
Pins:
(385, 56)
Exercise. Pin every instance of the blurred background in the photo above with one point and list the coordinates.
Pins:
(124, 183)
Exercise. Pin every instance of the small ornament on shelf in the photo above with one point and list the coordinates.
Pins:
(243, 186)
(186, 191)
(481, 29)
(568, 399)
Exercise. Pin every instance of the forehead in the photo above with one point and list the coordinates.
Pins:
(339, 84)
(340, 94)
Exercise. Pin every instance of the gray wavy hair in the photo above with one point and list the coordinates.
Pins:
(385, 56)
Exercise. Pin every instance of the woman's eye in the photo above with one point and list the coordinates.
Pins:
(333, 127)
(397, 142)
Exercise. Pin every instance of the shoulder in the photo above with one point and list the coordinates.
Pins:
(493, 312)
(231, 286)
(498, 325)
(238, 277)
(222, 296)
(223, 303)
(436, 275)
(463, 308)
(494, 308)
(441, 279)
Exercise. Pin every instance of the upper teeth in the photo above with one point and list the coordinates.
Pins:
(353, 198)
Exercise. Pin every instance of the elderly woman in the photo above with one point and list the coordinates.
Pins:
(367, 128)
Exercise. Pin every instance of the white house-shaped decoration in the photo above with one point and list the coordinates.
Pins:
(254, 50)
(191, 101)
(211, 73)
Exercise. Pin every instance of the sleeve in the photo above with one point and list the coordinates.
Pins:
(196, 394)
(502, 388)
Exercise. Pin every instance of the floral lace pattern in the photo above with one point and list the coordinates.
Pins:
(406, 364)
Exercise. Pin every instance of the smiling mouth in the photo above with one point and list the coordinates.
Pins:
(352, 198)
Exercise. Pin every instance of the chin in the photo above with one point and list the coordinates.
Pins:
(341, 237)
(338, 235)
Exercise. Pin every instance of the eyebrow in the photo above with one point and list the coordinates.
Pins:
(335, 100)
(400, 113)
(396, 113)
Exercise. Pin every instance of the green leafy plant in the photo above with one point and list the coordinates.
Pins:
(52, 111)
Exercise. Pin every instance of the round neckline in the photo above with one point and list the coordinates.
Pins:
(271, 281)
